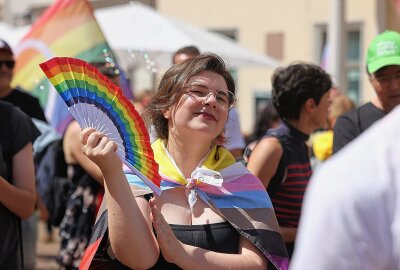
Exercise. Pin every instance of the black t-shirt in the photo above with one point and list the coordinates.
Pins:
(26, 103)
(16, 131)
(352, 124)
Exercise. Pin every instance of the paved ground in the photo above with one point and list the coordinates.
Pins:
(46, 251)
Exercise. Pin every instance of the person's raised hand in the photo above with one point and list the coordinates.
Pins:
(100, 149)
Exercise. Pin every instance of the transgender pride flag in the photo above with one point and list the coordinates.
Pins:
(67, 28)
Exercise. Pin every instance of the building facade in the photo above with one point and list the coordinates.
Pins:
(286, 30)
(290, 31)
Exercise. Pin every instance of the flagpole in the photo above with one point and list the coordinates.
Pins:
(337, 41)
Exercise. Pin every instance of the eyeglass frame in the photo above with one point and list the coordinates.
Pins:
(211, 92)
(10, 64)
(385, 80)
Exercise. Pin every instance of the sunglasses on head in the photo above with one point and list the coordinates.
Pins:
(9, 63)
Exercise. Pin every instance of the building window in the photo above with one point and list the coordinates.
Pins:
(353, 67)
(353, 57)
(274, 46)
(261, 99)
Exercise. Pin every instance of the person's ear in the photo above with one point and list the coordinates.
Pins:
(166, 113)
(310, 105)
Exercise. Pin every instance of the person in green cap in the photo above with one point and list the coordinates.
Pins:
(383, 68)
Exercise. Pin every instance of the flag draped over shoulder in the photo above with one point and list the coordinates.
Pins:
(240, 198)
(67, 28)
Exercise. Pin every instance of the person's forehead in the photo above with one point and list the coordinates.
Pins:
(388, 70)
(4, 55)
(211, 79)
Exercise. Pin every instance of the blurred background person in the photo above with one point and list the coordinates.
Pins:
(26, 102)
(30, 106)
(322, 141)
(267, 118)
(185, 53)
(17, 182)
(301, 95)
(141, 100)
(383, 68)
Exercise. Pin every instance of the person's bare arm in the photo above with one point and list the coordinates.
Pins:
(71, 140)
(264, 159)
(263, 163)
(131, 235)
(20, 197)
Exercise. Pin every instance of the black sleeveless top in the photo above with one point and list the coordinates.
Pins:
(218, 237)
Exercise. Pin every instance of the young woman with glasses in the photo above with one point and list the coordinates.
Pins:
(212, 213)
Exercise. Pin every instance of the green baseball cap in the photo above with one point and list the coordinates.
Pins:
(383, 51)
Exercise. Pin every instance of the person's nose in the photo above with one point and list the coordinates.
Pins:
(210, 99)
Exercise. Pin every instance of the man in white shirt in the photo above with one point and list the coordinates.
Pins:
(351, 215)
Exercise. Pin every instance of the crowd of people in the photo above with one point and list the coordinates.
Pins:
(315, 186)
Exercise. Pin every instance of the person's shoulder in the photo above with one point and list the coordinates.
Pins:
(354, 115)
(6, 106)
(19, 92)
(270, 144)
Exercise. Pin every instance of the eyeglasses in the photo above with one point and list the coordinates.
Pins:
(385, 81)
(8, 63)
(225, 98)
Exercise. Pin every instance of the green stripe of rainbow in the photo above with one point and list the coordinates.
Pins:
(69, 75)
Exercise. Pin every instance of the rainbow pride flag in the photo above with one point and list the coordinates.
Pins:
(67, 28)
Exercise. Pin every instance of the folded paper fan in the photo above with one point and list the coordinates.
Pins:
(94, 101)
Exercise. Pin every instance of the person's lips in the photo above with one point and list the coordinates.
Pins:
(208, 116)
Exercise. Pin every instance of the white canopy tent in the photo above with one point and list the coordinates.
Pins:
(139, 28)
(12, 34)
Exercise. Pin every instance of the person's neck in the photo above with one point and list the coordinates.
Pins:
(377, 103)
(5, 91)
(187, 154)
(302, 124)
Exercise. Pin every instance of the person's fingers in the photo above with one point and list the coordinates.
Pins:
(102, 143)
(109, 147)
(85, 134)
(94, 139)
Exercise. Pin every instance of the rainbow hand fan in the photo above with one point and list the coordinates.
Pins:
(94, 101)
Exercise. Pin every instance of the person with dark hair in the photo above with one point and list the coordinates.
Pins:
(185, 53)
(195, 223)
(17, 182)
(30, 106)
(267, 118)
(301, 95)
(383, 68)
(24, 101)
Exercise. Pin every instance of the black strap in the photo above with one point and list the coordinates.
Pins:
(277, 181)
